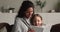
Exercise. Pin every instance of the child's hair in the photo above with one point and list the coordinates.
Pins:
(31, 20)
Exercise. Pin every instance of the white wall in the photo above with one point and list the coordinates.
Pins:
(50, 5)
(6, 17)
(48, 18)
(10, 3)
(16, 4)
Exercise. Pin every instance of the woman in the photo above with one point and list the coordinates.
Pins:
(22, 19)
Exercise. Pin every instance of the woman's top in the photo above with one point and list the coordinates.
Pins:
(19, 25)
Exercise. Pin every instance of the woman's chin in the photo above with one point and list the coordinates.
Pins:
(29, 17)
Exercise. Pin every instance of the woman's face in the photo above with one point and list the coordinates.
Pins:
(37, 21)
(29, 12)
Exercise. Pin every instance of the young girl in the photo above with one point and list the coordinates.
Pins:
(36, 20)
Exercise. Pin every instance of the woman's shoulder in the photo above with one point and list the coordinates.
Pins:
(18, 19)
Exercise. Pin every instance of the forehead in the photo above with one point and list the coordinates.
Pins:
(29, 9)
(37, 17)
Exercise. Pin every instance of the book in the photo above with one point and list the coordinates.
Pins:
(37, 29)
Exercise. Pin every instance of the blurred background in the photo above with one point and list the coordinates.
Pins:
(48, 9)
(48, 6)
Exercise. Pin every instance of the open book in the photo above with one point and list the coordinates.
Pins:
(37, 29)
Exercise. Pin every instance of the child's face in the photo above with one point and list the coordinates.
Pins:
(37, 21)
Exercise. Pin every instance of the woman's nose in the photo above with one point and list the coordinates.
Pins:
(30, 12)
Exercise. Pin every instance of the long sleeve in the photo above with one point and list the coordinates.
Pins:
(19, 26)
(16, 27)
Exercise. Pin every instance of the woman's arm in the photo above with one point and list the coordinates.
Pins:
(17, 26)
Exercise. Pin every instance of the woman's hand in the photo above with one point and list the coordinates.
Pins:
(31, 30)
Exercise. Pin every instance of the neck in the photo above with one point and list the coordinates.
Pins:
(27, 17)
